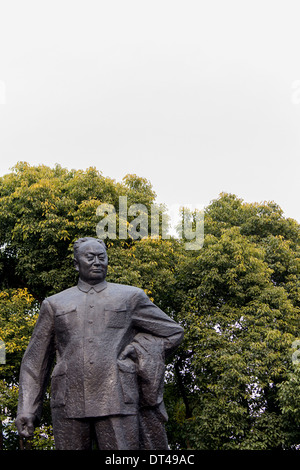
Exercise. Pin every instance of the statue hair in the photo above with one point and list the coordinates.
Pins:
(80, 241)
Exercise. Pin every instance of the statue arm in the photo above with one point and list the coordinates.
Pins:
(148, 318)
(35, 371)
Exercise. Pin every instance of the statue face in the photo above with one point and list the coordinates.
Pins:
(91, 262)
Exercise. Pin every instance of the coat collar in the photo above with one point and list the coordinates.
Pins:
(85, 287)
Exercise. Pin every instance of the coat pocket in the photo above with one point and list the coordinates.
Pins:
(71, 308)
(128, 379)
(58, 385)
(115, 316)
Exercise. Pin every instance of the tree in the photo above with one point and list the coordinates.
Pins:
(232, 384)
(18, 314)
(43, 211)
(238, 299)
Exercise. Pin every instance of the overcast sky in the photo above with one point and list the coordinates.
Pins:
(199, 97)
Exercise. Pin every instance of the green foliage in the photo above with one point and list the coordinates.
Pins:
(18, 314)
(239, 301)
(232, 384)
(43, 211)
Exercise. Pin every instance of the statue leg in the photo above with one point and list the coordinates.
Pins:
(153, 435)
(70, 433)
(117, 432)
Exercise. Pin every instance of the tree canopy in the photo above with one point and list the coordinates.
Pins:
(234, 383)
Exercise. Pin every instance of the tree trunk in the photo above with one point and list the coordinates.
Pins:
(188, 413)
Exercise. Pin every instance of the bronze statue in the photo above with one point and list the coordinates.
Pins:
(110, 342)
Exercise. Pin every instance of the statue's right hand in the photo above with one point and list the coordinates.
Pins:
(25, 425)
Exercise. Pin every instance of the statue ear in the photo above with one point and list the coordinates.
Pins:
(102, 242)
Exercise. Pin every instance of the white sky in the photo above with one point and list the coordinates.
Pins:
(199, 97)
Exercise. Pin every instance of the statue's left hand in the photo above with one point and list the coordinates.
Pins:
(129, 351)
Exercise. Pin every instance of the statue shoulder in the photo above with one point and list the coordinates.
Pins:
(66, 295)
(124, 289)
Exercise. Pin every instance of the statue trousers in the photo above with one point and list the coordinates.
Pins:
(120, 432)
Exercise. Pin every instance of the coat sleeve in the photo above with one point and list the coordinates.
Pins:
(149, 318)
(36, 364)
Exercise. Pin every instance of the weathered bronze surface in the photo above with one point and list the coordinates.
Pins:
(109, 342)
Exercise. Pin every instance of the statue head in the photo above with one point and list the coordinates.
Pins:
(90, 259)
